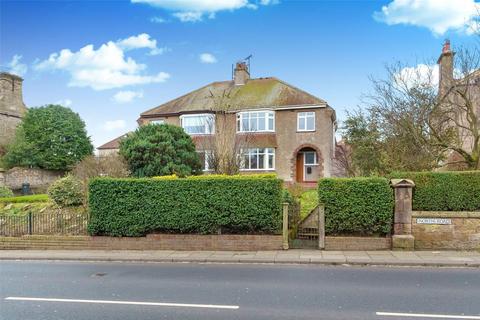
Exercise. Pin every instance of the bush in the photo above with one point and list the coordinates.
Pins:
(160, 150)
(5, 192)
(444, 191)
(66, 192)
(135, 207)
(25, 199)
(357, 206)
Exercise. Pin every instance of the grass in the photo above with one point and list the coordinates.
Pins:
(308, 202)
(26, 199)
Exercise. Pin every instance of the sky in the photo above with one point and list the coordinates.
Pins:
(111, 60)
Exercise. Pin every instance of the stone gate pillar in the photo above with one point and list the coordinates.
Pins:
(402, 236)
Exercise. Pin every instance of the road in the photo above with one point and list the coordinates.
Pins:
(83, 290)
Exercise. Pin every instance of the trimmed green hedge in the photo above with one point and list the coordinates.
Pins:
(26, 199)
(357, 206)
(135, 207)
(444, 191)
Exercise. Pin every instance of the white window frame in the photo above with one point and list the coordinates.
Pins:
(269, 114)
(209, 129)
(302, 116)
(267, 152)
(208, 154)
(158, 121)
(315, 158)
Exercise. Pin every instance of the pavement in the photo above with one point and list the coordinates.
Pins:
(73, 290)
(389, 258)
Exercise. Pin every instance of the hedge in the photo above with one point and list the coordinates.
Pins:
(26, 199)
(357, 206)
(444, 191)
(136, 207)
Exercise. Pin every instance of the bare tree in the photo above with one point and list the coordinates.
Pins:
(224, 149)
(432, 127)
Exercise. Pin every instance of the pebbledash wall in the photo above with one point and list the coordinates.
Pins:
(446, 230)
(37, 178)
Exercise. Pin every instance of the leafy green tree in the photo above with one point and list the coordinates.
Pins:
(159, 150)
(49, 137)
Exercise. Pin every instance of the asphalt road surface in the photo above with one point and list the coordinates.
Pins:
(82, 290)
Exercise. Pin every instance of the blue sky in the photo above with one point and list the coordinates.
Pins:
(120, 58)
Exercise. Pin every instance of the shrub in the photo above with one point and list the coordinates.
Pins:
(30, 198)
(444, 191)
(357, 206)
(160, 150)
(66, 192)
(5, 192)
(135, 207)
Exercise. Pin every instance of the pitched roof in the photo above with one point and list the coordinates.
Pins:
(256, 93)
(112, 144)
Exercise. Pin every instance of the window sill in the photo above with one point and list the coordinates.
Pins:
(302, 131)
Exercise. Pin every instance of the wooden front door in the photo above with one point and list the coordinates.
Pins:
(300, 167)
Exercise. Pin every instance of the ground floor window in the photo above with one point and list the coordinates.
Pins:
(205, 159)
(258, 159)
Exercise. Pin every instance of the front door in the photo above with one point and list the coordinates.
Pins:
(300, 167)
(310, 166)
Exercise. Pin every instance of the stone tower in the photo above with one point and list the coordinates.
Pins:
(12, 107)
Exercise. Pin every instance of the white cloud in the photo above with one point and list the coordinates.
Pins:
(112, 125)
(127, 96)
(64, 102)
(158, 20)
(437, 15)
(141, 41)
(195, 10)
(419, 75)
(189, 16)
(208, 58)
(105, 67)
(14, 66)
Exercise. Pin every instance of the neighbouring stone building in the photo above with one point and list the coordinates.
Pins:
(12, 107)
(280, 128)
(461, 100)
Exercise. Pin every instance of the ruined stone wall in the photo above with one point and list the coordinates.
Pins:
(8, 124)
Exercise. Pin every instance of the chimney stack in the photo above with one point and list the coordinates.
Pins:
(241, 73)
(445, 62)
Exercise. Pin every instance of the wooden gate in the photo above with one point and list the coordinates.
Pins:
(310, 232)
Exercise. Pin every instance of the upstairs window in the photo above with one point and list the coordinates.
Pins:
(158, 121)
(306, 121)
(256, 121)
(198, 123)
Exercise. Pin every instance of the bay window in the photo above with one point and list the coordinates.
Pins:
(256, 121)
(258, 159)
(198, 123)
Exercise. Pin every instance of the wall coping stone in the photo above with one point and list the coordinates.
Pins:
(446, 214)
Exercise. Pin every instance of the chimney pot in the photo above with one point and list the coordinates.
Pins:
(446, 46)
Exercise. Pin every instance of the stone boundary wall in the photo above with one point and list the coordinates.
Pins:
(357, 243)
(38, 178)
(150, 242)
(461, 230)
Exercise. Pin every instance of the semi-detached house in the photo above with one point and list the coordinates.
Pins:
(284, 129)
